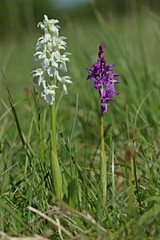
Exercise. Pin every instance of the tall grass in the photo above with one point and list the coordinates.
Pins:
(132, 135)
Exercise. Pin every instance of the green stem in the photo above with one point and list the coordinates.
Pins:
(55, 167)
(131, 189)
(103, 166)
(134, 186)
(137, 186)
(132, 170)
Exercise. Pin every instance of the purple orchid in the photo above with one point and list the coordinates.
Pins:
(104, 78)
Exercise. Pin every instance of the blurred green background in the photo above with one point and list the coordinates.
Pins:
(19, 20)
(18, 17)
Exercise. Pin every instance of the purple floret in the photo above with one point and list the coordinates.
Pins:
(104, 78)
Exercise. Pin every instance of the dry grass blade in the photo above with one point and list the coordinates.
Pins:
(4, 236)
(89, 218)
(57, 224)
(84, 215)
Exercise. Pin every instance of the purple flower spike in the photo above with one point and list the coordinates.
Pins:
(104, 78)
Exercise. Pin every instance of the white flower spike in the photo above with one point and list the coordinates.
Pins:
(52, 63)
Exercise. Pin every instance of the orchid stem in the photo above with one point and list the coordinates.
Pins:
(103, 165)
(55, 167)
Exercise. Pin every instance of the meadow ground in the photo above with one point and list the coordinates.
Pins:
(132, 137)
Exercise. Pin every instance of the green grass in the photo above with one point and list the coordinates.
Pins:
(132, 137)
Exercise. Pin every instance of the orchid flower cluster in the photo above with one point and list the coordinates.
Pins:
(51, 61)
(104, 78)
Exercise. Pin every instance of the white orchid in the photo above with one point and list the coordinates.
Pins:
(51, 61)
(39, 73)
(48, 93)
(65, 80)
(49, 26)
